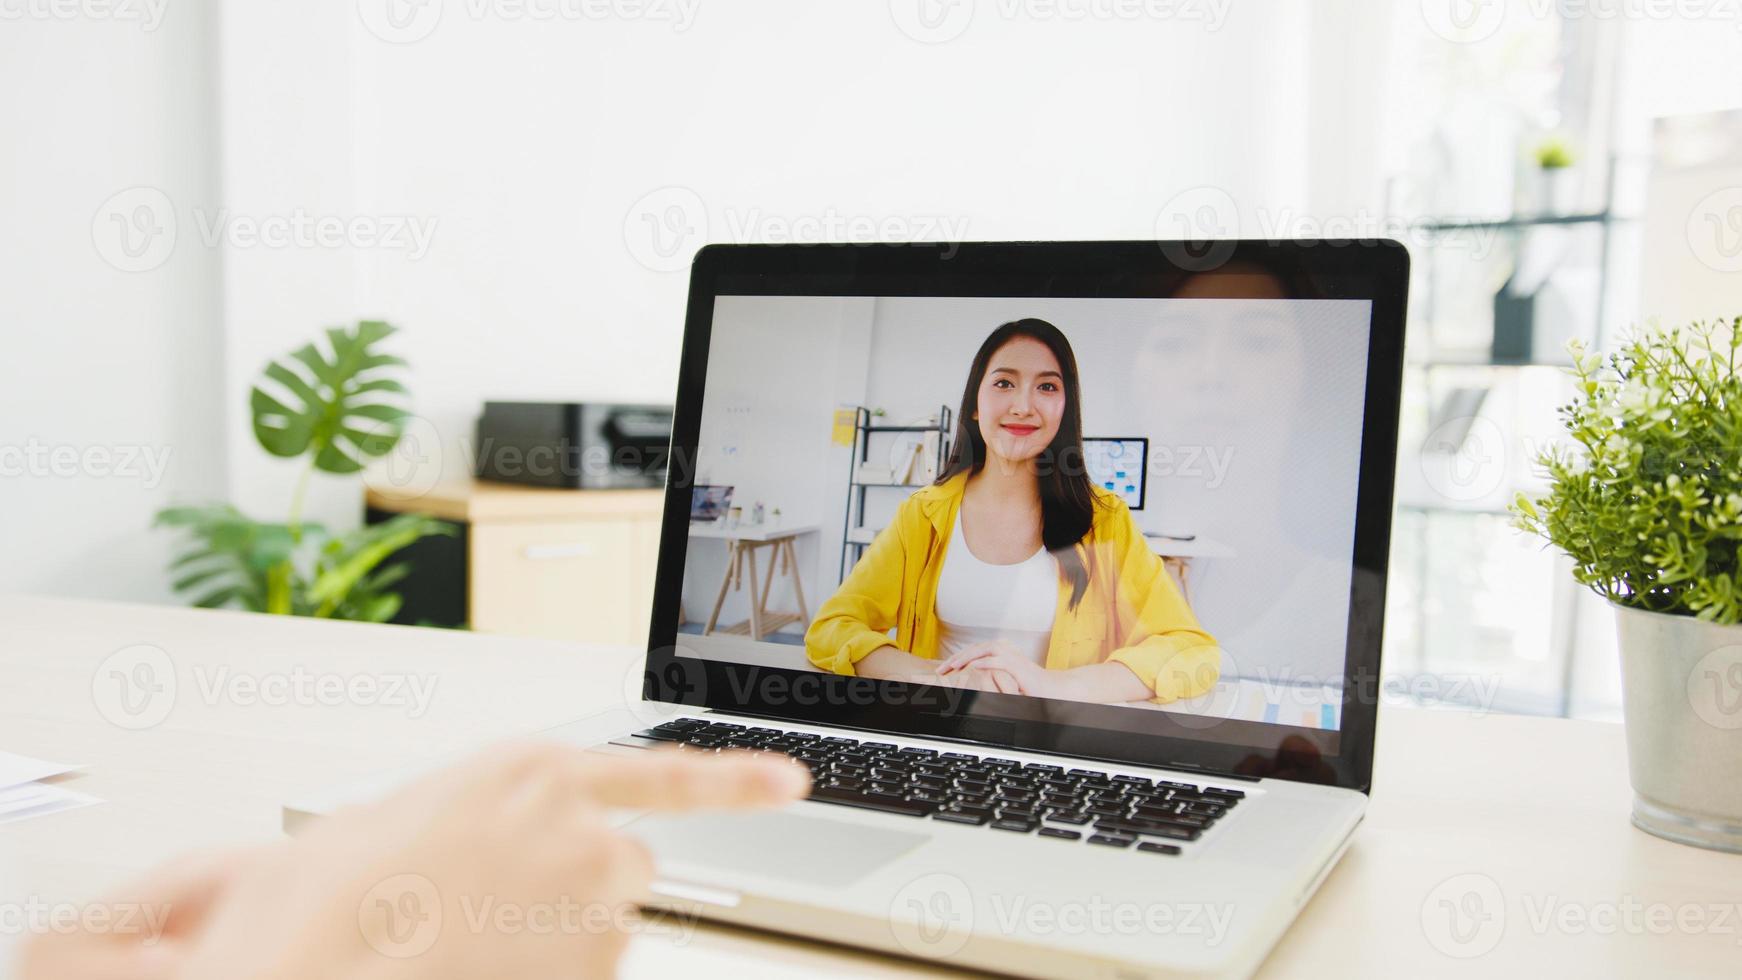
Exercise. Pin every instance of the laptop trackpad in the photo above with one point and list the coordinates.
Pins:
(814, 850)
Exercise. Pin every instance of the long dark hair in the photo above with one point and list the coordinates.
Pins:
(1067, 498)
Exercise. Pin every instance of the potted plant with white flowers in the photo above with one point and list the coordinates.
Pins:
(1647, 500)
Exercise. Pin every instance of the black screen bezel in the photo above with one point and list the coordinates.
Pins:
(1373, 270)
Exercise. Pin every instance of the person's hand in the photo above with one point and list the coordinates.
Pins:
(972, 679)
(1029, 677)
(503, 867)
(152, 923)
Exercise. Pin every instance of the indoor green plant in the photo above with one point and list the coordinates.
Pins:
(1648, 503)
(338, 408)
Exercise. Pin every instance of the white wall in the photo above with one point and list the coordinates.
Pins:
(534, 153)
(777, 369)
(105, 352)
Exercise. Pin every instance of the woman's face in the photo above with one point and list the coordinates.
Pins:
(1021, 400)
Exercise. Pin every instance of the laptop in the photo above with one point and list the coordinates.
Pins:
(1114, 780)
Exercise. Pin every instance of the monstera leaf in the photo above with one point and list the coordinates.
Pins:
(230, 558)
(333, 404)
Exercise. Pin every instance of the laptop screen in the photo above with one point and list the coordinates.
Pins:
(1133, 513)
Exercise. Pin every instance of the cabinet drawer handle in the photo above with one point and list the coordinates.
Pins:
(546, 552)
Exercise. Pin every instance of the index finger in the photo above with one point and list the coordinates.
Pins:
(666, 779)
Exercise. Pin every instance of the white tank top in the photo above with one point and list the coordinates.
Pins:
(978, 602)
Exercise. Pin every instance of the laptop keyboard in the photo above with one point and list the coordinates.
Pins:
(1102, 808)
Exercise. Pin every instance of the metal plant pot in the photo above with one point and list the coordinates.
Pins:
(1681, 682)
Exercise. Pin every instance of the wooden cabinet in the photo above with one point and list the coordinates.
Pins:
(560, 564)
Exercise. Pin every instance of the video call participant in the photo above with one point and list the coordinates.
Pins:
(1014, 573)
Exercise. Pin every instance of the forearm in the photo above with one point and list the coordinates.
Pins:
(890, 663)
(1109, 682)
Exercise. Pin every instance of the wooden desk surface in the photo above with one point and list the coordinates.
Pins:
(1527, 815)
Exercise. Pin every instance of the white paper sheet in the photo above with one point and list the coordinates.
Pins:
(40, 800)
(18, 769)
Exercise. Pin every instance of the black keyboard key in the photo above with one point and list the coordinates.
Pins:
(1018, 812)
(1164, 784)
(1060, 833)
(870, 746)
(920, 753)
(1148, 829)
(1157, 848)
(1069, 817)
(1112, 840)
(767, 731)
(1232, 794)
(1036, 767)
(1015, 824)
(872, 801)
(1054, 800)
(889, 775)
(847, 782)
(959, 757)
(889, 789)
(975, 817)
(838, 740)
(659, 735)
(928, 796)
(703, 742)
(803, 737)
(725, 726)
(1132, 780)
(1001, 763)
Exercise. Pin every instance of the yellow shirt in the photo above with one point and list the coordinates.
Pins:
(1130, 612)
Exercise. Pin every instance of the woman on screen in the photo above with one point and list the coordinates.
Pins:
(1013, 572)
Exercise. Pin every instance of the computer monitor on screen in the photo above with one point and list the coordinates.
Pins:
(1119, 465)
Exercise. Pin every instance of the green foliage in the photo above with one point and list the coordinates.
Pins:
(234, 561)
(1554, 154)
(1648, 500)
(336, 408)
(339, 414)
